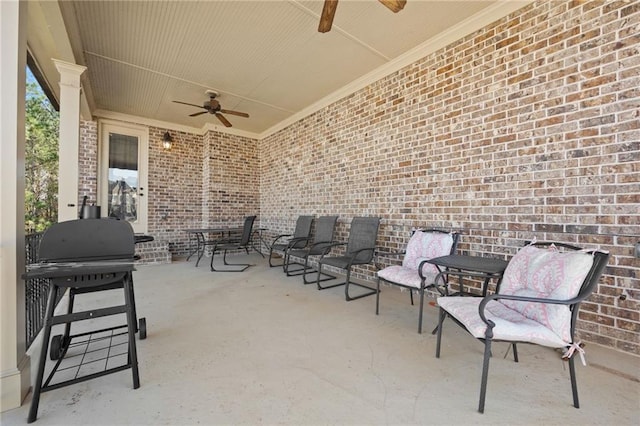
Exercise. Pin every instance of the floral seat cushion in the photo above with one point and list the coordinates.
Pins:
(532, 272)
(421, 246)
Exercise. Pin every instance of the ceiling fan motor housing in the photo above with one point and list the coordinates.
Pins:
(212, 105)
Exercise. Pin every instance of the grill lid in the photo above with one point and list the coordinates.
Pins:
(83, 240)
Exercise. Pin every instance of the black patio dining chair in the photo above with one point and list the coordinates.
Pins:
(320, 245)
(281, 244)
(537, 303)
(241, 242)
(360, 249)
(415, 273)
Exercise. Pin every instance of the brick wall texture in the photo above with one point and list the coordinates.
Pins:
(528, 128)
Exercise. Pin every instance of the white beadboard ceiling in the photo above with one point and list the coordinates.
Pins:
(264, 57)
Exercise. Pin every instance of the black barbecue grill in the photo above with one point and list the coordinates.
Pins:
(86, 256)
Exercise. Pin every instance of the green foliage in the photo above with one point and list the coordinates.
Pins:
(41, 161)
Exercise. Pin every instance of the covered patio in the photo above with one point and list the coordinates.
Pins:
(261, 348)
(506, 121)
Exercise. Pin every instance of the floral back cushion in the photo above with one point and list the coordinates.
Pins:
(426, 245)
(550, 274)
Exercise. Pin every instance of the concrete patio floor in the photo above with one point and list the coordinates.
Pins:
(261, 348)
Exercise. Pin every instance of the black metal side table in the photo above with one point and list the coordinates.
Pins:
(469, 266)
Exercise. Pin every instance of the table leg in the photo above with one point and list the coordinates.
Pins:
(260, 242)
(193, 245)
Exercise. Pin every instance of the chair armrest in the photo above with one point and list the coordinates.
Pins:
(331, 243)
(489, 298)
(355, 254)
(327, 246)
(279, 237)
(294, 241)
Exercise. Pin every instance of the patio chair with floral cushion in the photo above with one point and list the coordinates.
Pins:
(536, 303)
(415, 273)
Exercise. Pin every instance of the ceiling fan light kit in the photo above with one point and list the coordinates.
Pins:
(212, 106)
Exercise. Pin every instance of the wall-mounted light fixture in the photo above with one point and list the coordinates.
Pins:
(167, 141)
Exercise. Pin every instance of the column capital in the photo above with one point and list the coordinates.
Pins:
(69, 73)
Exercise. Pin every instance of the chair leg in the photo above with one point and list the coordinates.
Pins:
(441, 316)
(271, 257)
(347, 282)
(421, 309)
(411, 296)
(485, 373)
(304, 271)
(515, 352)
(574, 384)
(243, 266)
(318, 280)
(298, 271)
(307, 269)
(377, 296)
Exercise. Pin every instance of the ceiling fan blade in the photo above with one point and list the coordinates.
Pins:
(223, 120)
(328, 12)
(186, 103)
(394, 5)
(195, 114)
(239, 114)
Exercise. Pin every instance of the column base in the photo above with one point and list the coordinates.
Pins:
(15, 385)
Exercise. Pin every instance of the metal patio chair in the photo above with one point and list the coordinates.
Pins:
(299, 239)
(242, 242)
(360, 250)
(415, 273)
(320, 245)
(537, 302)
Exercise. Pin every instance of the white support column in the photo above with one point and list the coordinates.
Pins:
(15, 377)
(69, 139)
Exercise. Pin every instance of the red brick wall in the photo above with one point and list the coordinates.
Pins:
(528, 128)
(202, 181)
(205, 180)
(174, 187)
(88, 161)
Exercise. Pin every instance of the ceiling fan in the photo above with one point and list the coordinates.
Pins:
(329, 10)
(212, 106)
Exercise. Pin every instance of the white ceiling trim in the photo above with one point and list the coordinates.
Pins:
(476, 22)
(133, 119)
(117, 116)
(229, 130)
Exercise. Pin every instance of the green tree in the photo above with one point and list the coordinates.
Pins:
(41, 161)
